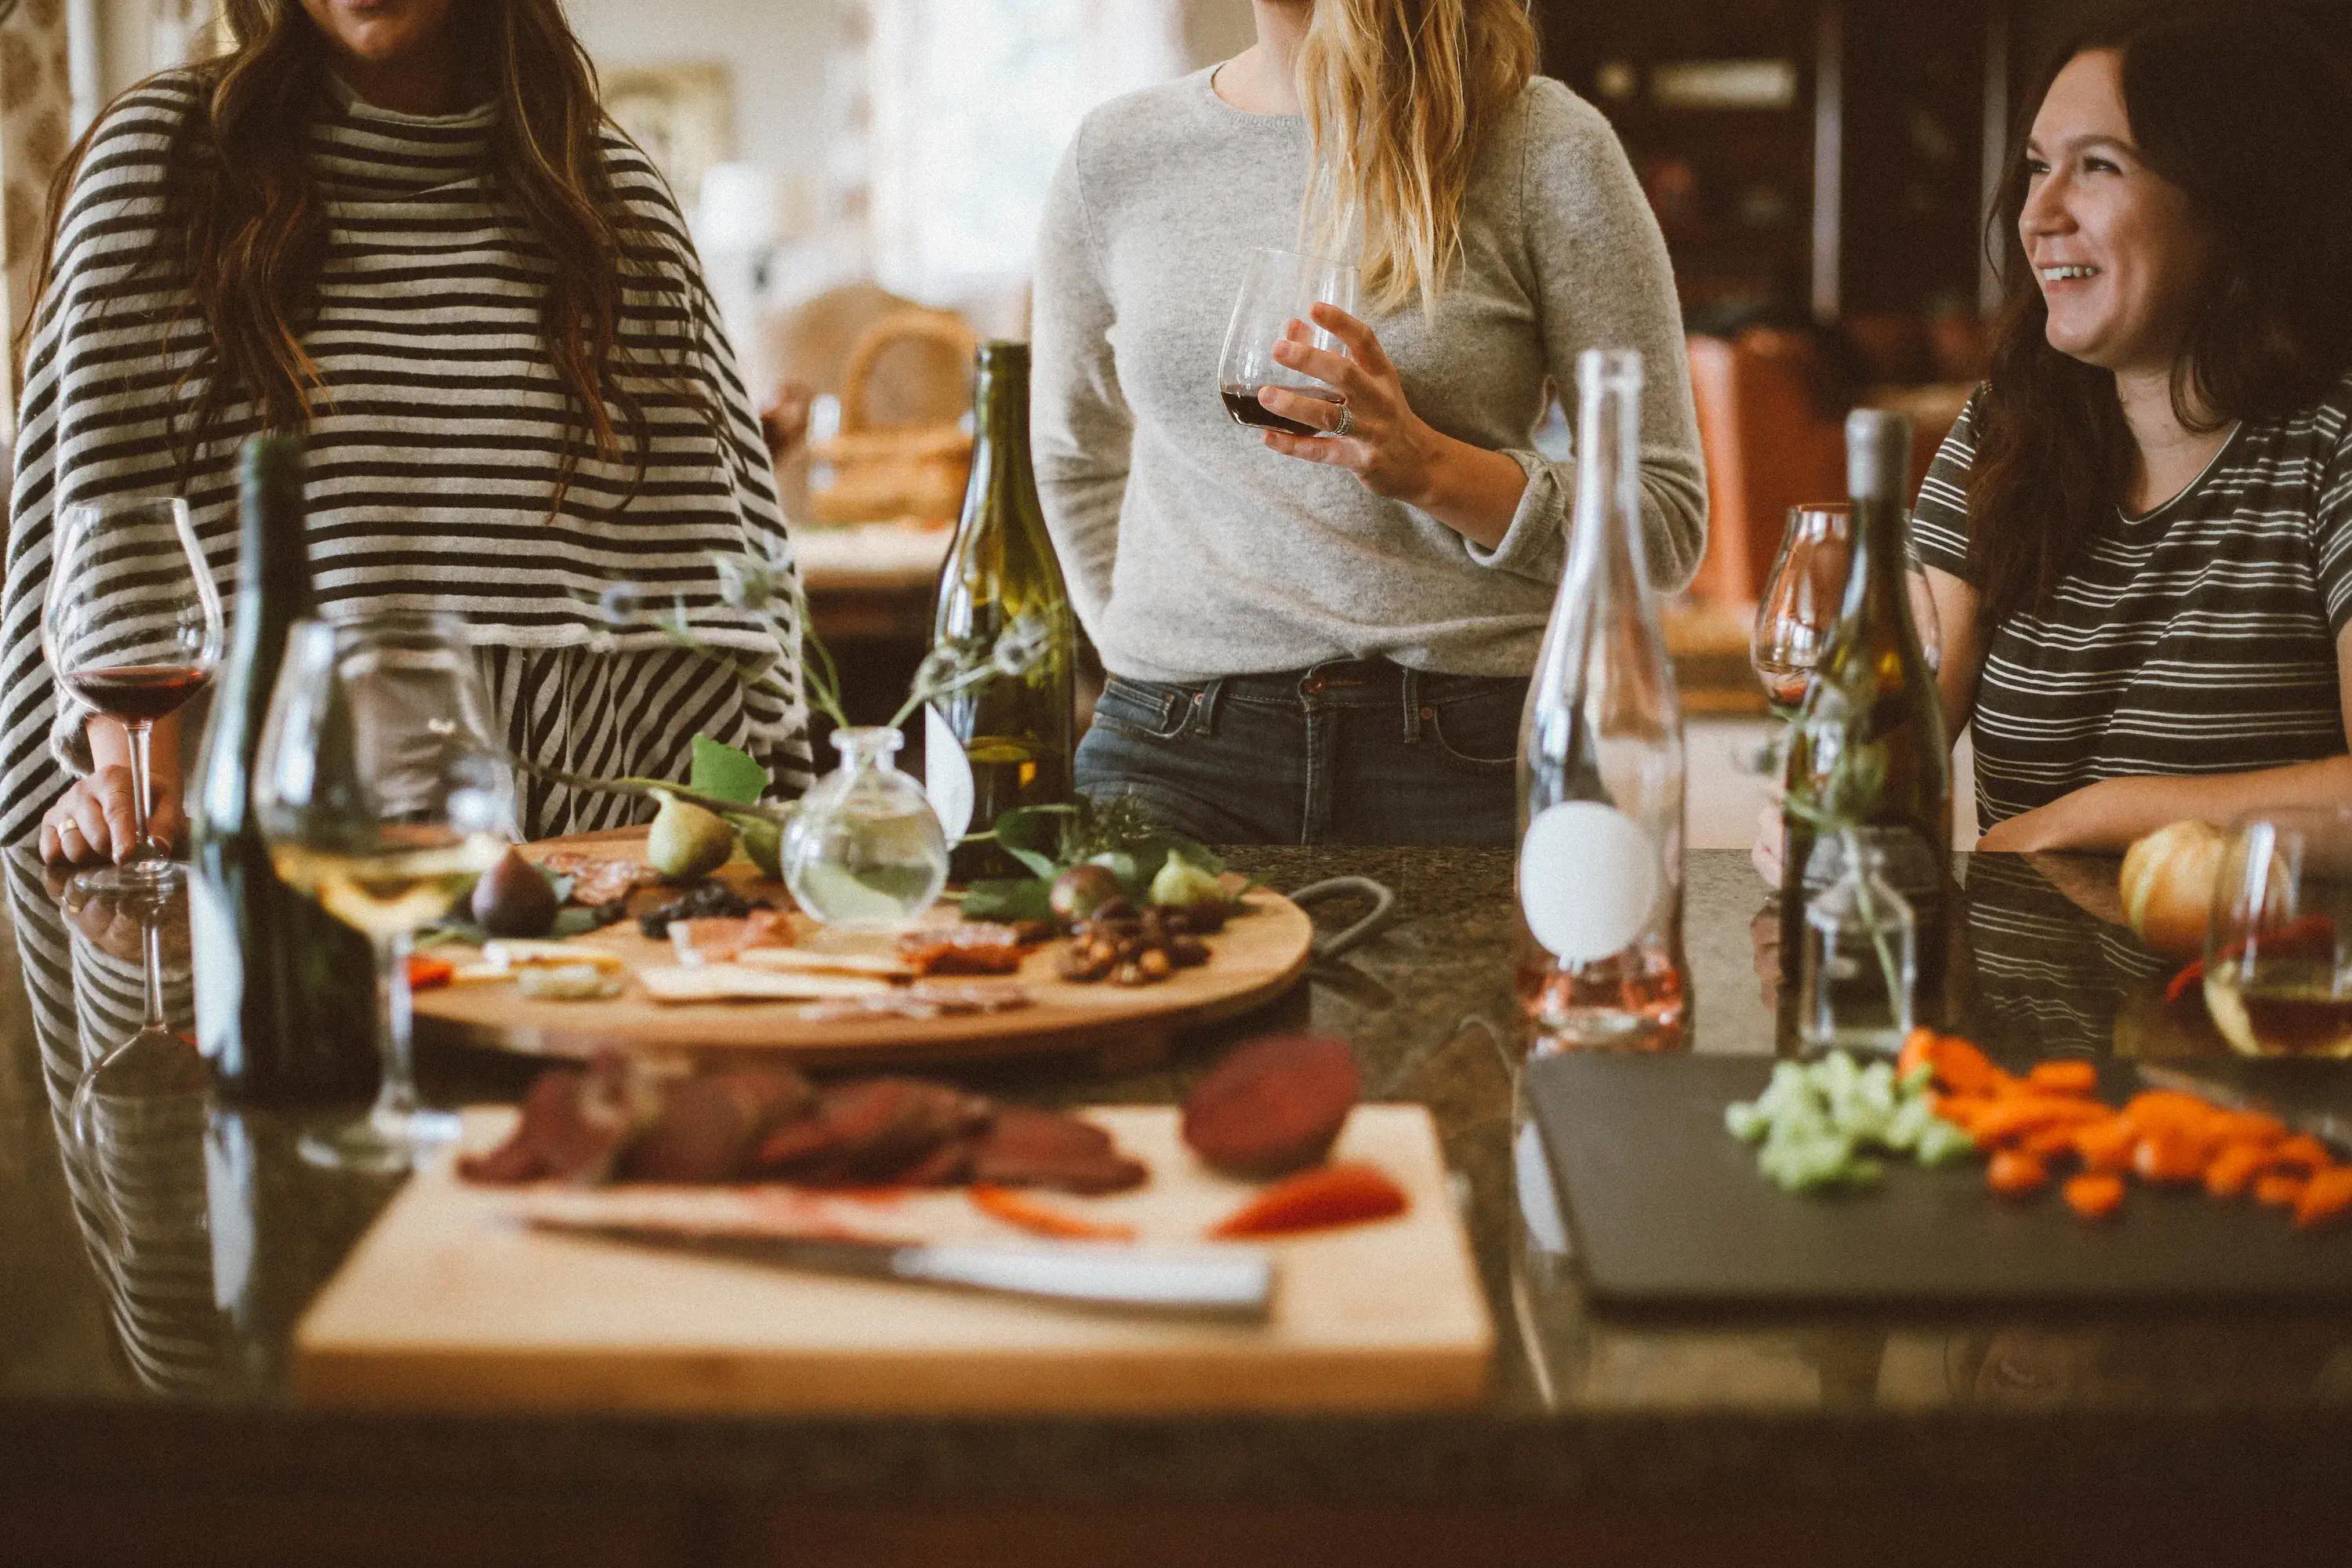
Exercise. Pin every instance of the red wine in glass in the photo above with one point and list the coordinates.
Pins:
(137, 693)
(1242, 403)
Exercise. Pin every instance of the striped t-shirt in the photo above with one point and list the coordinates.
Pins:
(434, 448)
(2199, 638)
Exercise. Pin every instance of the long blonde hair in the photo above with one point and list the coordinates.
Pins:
(1400, 97)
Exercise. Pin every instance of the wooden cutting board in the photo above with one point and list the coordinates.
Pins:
(447, 1303)
(1260, 954)
(1668, 1210)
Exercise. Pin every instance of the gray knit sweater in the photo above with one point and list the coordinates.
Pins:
(1192, 549)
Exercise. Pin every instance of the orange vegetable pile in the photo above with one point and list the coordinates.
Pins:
(2050, 1115)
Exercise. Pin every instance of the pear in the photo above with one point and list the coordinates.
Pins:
(763, 842)
(687, 842)
(514, 897)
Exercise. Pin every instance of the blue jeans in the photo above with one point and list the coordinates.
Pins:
(1353, 751)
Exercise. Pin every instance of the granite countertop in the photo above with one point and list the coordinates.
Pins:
(149, 1313)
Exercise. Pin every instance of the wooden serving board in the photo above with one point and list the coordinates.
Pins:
(1259, 954)
(448, 1303)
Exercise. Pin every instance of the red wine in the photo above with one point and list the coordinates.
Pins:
(1242, 402)
(138, 691)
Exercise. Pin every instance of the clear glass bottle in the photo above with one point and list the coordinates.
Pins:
(1861, 955)
(865, 852)
(1600, 948)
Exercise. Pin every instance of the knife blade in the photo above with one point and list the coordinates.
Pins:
(2325, 1125)
(1235, 1285)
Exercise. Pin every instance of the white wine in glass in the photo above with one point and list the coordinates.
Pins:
(382, 794)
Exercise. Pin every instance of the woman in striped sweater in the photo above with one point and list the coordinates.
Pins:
(2139, 534)
(405, 228)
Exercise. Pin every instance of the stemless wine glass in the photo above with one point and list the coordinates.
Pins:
(2278, 946)
(131, 626)
(382, 795)
(1279, 291)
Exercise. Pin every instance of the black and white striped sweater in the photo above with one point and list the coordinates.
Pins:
(433, 451)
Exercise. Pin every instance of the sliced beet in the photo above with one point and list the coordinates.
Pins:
(1274, 1104)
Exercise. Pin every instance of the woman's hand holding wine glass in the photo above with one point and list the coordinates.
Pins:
(131, 626)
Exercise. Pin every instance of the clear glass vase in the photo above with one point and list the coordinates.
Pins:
(1861, 956)
(865, 852)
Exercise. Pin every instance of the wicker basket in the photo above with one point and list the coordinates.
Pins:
(893, 472)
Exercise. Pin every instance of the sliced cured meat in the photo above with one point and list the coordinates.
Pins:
(975, 947)
(573, 1126)
(597, 881)
(709, 1127)
(1028, 1148)
(873, 1130)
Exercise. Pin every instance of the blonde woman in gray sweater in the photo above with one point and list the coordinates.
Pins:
(1327, 638)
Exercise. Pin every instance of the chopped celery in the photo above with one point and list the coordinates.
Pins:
(1815, 1124)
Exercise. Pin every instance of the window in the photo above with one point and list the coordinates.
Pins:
(974, 102)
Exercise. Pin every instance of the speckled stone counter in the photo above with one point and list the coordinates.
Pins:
(148, 1296)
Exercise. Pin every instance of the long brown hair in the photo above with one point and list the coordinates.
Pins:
(1400, 97)
(245, 232)
(2244, 111)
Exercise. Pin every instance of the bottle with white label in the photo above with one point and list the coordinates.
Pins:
(1599, 951)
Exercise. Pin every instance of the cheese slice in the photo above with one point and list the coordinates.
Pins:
(740, 982)
(521, 953)
(805, 960)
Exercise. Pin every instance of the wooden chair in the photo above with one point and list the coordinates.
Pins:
(1769, 447)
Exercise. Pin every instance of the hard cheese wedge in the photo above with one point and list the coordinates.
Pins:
(741, 982)
(801, 961)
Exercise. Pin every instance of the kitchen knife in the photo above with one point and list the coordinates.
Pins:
(1236, 1285)
(2325, 1125)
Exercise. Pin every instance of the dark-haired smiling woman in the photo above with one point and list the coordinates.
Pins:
(2139, 534)
(404, 229)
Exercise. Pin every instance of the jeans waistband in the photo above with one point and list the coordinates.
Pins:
(1375, 684)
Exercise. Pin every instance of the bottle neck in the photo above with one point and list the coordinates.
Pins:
(866, 749)
(1605, 533)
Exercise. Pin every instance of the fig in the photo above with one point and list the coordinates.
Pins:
(514, 897)
(763, 842)
(1183, 886)
(686, 841)
(1081, 890)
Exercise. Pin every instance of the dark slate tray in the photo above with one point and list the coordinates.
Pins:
(1668, 1210)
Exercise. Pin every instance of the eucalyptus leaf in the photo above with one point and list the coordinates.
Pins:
(1009, 899)
(721, 771)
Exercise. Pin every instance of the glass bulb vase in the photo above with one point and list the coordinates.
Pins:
(866, 851)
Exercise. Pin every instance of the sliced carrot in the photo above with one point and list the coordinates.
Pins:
(1964, 1070)
(1918, 1050)
(2280, 1189)
(2326, 1199)
(2105, 1146)
(1042, 1218)
(2071, 1076)
(2169, 1156)
(2095, 1194)
(2303, 1151)
(1327, 1195)
(2016, 1115)
(2232, 1170)
(2012, 1174)
(2047, 1143)
(425, 972)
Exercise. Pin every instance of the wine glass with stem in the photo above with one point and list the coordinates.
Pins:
(1280, 289)
(131, 626)
(383, 794)
(1802, 594)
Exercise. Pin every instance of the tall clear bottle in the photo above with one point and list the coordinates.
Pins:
(285, 1003)
(1008, 741)
(1868, 762)
(1599, 946)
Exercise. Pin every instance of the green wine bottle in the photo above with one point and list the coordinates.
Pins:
(1867, 749)
(1006, 740)
(285, 993)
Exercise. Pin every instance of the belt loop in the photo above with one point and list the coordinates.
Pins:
(1408, 689)
(1203, 722)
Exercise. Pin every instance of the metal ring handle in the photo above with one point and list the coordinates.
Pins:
(1383, 910)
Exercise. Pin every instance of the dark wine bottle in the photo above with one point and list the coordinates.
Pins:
(1006, 740)
(285, 1009)
(1867, 751)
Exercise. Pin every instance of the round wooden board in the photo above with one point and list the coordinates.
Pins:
(1260, 953)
